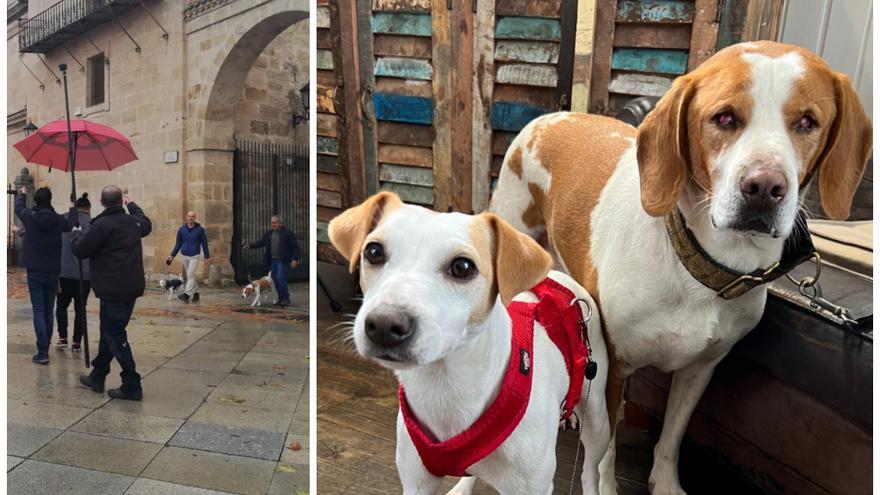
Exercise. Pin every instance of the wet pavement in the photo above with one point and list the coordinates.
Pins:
(225, 406)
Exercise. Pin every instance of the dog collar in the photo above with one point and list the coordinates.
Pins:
(560, 314)
(728, 283)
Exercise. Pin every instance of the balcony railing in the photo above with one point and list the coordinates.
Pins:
(66, 20)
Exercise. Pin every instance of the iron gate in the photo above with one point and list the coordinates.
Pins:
(268, 179)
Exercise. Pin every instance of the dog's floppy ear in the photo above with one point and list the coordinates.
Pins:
(520, 262)
(846, 152)
(662, 150)
(349, 229)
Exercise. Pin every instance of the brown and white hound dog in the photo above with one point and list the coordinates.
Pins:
(731, 147)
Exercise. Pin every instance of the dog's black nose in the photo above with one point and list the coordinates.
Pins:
(762, 189)
(389, 327)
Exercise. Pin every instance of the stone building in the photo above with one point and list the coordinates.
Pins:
(186, 81)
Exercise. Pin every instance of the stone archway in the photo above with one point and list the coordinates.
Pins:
(221, 48)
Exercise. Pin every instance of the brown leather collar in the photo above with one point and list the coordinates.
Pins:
(728, 283)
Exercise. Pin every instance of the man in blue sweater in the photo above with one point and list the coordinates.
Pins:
(191, 241)
(41, 254)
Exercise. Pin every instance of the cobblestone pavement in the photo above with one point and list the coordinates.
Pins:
(225, 408)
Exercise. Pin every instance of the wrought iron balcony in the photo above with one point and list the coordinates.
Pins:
(66, 20)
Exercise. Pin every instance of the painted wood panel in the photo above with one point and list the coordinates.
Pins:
(322, 17)
(389, 45)
(405, 155)
(402, 23)
(537, 52)
(327, 145)
(398, 108)
(403, 87)
(501, 141)
(329, 198)
(542, 97)
(321, 232)
(326, 125)
(527, 75)
(411, 194)
(325, 214)
(405, 68)
(514, 116)
(324, 59)
(648, 60)
(420, 6)
(324, 97)
(530, 8)
(400, 133)
(323, 39)
(528, 28)
(329, 182)
(640, 84)
(672, 36)
(671, 11)
(400, 174)
(327, 163)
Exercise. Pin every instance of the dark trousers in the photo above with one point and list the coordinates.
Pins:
(114, 344)
(42, 287)
(70, 292)
(279, 278)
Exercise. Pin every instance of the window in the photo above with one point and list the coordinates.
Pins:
(95, 80)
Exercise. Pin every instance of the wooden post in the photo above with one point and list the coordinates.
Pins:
(606, 13)
(442, 90)
(704, 33)
(462, 104)
(483, 88)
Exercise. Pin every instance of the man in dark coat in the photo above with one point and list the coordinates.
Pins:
(282, 251)
(113, 246)
(41, 254)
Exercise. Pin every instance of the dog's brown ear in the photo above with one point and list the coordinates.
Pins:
(349, 229)
(662, 150)
(520, 262)
(846, 152)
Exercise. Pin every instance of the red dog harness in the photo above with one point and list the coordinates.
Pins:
(558, 311)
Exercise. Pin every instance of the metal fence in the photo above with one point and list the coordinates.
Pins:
(268, 179)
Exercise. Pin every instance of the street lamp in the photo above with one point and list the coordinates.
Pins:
(304, 95)
(30, 128)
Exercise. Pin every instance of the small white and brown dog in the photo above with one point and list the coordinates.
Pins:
(435, 290)
(171, 285)
(260, 289)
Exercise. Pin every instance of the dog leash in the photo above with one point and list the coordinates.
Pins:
(590, 372)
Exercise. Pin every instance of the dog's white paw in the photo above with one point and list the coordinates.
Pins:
(608, 486)
(465, 486)
(664, 482)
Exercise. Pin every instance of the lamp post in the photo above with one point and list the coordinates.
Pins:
(30, 128)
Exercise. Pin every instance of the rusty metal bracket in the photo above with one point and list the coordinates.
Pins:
(58, 81)
(81, 67)
(165, 33)
(137, 47)
(21, 59)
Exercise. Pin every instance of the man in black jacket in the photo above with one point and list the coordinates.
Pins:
(41, 254)
(282, 251)
(113, 246)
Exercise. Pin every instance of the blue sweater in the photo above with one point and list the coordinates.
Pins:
(190, 241)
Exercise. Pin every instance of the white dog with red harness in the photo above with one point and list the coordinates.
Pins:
(482, 387)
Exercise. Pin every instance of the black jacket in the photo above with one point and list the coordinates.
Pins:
(113, 245)
(289, 246)
(41, 248)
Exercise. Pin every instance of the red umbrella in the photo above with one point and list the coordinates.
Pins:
(96, 146)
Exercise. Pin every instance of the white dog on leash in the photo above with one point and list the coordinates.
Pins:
(435, 290)
(260, 289)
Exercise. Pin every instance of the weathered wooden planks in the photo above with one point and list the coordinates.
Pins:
(648, 60)
(329, 198)
(327, 145)
(527, 75)
(668, 11)
(329, 182)
(501, 141)
(324, 59)
(673, 36)
(411, 109)
(415, 176)
(323, 39)
(542, 97)
(401, 133)
(405, 155)
(537, 52)
(640, 84)
(324, 97)
(527, 28)
(326, 214)
(327, 163)
(322, 17)
(389, 45)
(600, 68)
(514, 116)
(326, 125)
(704, 33)
(405, 68)
(403, 87)
(402, 23)
(482, 87)
(529, 8)
(441, 25)
(417, 6)
(411, 194)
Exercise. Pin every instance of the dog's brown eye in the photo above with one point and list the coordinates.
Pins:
(374, 253)
(805, 124)
(462, 268)
(725, 120)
